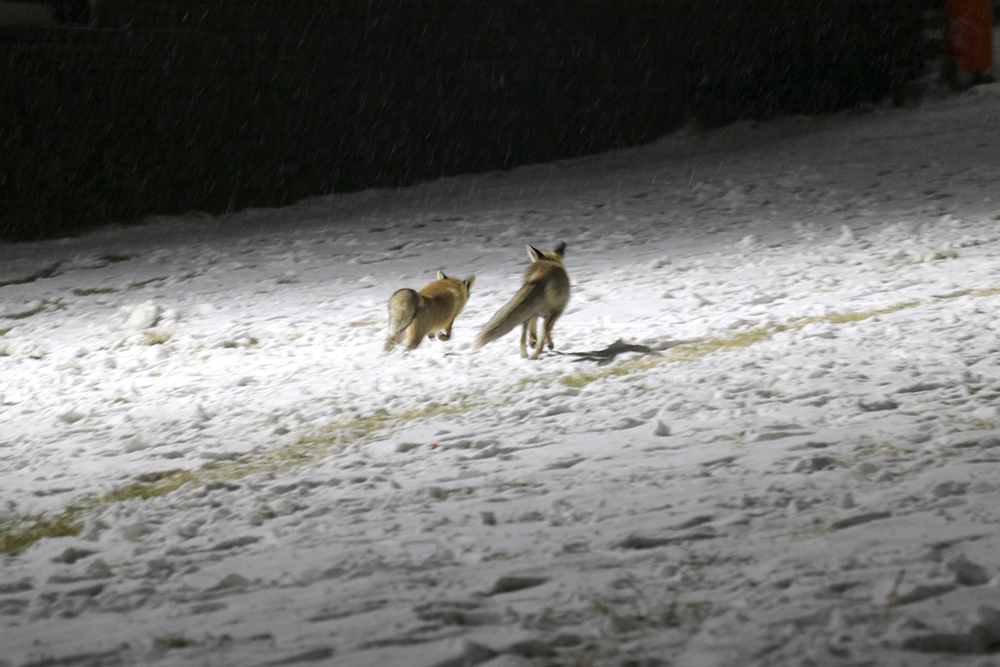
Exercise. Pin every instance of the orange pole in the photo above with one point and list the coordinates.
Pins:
(969, 33)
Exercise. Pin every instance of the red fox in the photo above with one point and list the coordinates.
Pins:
(434, 308)
(544, 294)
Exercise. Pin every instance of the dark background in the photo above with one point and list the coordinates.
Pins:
(151, 106)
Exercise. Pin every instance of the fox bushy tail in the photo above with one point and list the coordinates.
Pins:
(403, 308)
(528, 301)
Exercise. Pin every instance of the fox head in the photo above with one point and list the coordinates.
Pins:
(556, 255)
(468, 282)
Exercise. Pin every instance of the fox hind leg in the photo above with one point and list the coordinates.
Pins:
(392, 341)
(524, 336)
(445, 334)
(539, 344)
(545, 334)
(537, 336)
(550, 322)
(413, 338)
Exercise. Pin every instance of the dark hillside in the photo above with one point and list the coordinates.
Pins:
(163, 106)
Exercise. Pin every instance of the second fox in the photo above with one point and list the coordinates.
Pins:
(544, 294)
(432, 309)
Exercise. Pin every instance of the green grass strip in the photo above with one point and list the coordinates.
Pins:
(19, 533)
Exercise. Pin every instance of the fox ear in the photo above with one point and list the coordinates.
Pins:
(561, 249)
(534, 254)
(441, 276)
(469, 282)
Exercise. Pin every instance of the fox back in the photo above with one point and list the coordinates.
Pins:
(544, 293)
(432, 309)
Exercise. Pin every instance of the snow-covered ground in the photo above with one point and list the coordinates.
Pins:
(769, 433)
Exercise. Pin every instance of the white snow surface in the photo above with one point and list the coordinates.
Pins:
(795, 463)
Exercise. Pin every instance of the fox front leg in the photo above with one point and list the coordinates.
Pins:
(550, 322)
(548, 334)
(532, 333)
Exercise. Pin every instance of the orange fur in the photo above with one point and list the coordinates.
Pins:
(414, 315)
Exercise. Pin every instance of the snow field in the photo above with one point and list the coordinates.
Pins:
(791, 455)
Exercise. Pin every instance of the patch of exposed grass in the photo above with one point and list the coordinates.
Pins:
(628, 367)
(363, 323)
(19, 533)
(150, 485)
(989, 291)
(240, 341)
(702, 348)
(524, 383)
(155, 338)
(363, 429)
(4, 332)
(845, 318)
(306, 450)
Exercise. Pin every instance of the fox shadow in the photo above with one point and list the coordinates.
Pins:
(608, 354)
